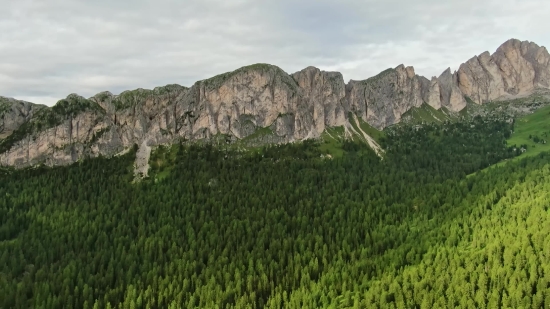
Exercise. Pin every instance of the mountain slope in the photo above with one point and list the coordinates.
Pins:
(261, 97)
(284, 228)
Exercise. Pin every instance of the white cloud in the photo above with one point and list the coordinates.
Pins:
(51, 48)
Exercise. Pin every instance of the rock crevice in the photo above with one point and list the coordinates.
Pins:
(238, 104)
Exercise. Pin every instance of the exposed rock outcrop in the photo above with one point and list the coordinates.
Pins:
(14, 113)
(382, 99)
(237, 104)
(516, 68)
(451, 96)
(434, 94)
(325, 92)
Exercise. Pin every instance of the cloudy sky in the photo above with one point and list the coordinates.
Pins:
(50, 48)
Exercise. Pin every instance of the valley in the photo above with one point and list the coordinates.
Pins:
(286, 226)
(261, 189)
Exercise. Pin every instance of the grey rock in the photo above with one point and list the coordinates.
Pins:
(236, 105)
(382, 100)
(451, 96)
(516, 68)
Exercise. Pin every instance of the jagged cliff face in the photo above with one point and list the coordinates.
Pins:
(324, 93)
(14, 113)
(516, 68)
(382, 99)
(234, 104)
(237, 104)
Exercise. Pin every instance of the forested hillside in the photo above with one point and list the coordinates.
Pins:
(285, 227)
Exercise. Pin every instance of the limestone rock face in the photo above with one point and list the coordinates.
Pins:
(55, 135)
(249, 98)
(234, 104)
(451, 96)
(382, 99)
(237, 104)
(480, 79)
(516, 68)
(433, 97)
(14, 113)
(325, 92)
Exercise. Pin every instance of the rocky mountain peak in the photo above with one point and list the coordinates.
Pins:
(516, 68)
(259, 103)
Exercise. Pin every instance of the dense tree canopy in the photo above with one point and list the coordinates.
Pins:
(285, 228)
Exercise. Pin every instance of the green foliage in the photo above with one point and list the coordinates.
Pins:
(532, 130)
(50, 117)
(489, 252)
(69, 107)
(306, 150)
(97, 135)
(332, 140)
(15, 136)
(257, 67)
(170, 88)
(283, 228)
(131, 98)
(426, 114)
(469, 100)
(365, 127)
(5, 105)
(218, 80)
(370, 130)
(505, 109)
(481, 141)
(103, 96)
(162, 161)
(335, 143)
(258, 134)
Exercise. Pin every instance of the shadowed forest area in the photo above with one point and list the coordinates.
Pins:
(286, 227)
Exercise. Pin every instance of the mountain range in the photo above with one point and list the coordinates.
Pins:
(258, 98)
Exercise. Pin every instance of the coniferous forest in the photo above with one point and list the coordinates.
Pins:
(285, 227)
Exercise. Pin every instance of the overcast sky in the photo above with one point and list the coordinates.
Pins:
(51, 48)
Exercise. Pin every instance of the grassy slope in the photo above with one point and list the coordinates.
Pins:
(332, 141)
(370, 130)
(356, 127)
(332, 138)
(471, 108)
(536, 124)
(259, 133)
(425, 113)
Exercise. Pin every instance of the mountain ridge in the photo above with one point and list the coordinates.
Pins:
(235, 104)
